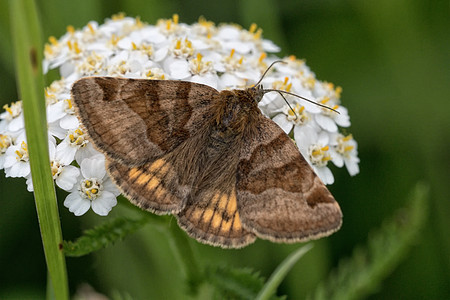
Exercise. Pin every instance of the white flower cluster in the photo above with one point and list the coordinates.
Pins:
(223, 57)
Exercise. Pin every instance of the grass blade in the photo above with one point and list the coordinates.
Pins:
(27, 41)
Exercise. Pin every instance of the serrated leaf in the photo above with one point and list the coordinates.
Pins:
(234, 283)
(102, 236)
(360, 275)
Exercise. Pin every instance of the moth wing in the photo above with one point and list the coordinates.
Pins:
(137, 124)
(210, 214)
(211, 217)
(134, 121)
(279, 196)
(153, 186)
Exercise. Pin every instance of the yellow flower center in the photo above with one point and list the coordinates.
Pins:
(255, 31)
(233, 63)
(5, 142)
(282, 85)
(93, 64)
(155, 73)
(118, 16)
(144, 48)
(77, 138)
(91, 188)
(22, 153)
(298, 114)
(56, 168)
(74, 47)
(318, 155)
(169, 26)
(68, 107)
(198, 66)
(14, 110)
(343, 147)
(182, 48)
(325, 101)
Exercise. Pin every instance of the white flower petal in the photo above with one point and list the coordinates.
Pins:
(230, 81)
(10, 159)
(323, 138)
(2, 161)
(65, 153)
(67, 69)
(29, 183)
(103, 204)
(93, 167)
(336, 158)
(342, 120)
(352, 166)
(76, 204)
(326, 123)
(179, 69)
(87, 151)
(283, 122)
(55, 130)
(160, 54)
(304, 135)
(304, 138)
(209, 79)
(16, 123)
(240, 47)
(325, 175)
(19, 169)
(152, 35)
(228, 32)
(55, 111)
(270, 46)
(51, 150)
(68, 177)
(69, 122)
(110, 186)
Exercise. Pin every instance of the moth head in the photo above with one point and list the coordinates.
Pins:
(256, 92)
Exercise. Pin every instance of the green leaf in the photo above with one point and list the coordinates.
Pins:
(234, 283)
(102, 236)
(359, 276)
(280, 273)
(244, 283)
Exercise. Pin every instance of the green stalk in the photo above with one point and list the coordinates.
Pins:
(27, 42)
(280, 273)
(179, 243)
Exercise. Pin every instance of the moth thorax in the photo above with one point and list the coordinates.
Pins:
(237, 109)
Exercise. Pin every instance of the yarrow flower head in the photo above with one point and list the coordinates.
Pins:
(223, 57)
(94, 189)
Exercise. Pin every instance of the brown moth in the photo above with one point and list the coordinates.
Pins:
(228, 173)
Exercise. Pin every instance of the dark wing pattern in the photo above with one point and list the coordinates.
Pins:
(137, 124)
(279, 196)
(137, 120)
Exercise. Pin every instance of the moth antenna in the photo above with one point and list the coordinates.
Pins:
(298, 96)
(267, 70)
(293, 111)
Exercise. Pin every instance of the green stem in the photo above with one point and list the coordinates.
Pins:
(280, 273)
(178, 241)
(182, 250)
(27, 41)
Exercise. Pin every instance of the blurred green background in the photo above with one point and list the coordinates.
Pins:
(392, 59)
